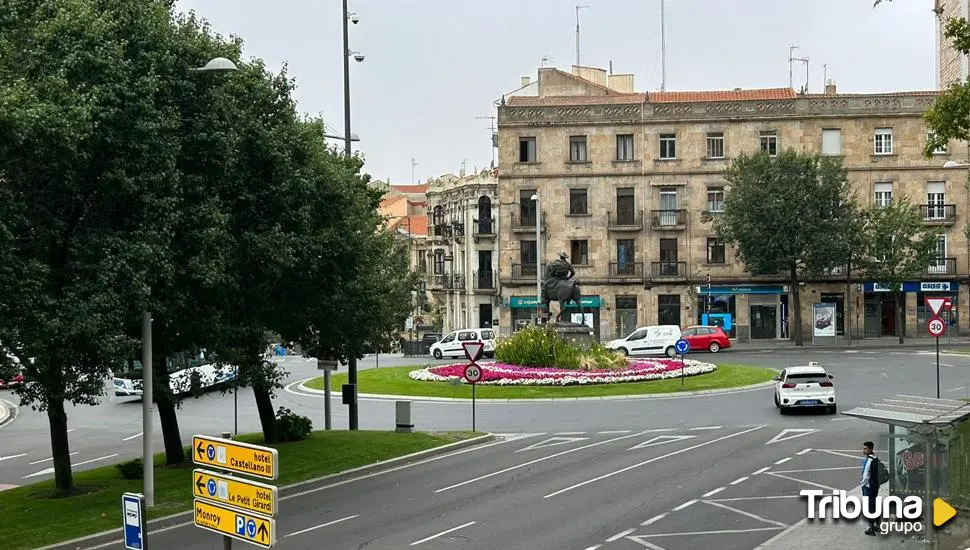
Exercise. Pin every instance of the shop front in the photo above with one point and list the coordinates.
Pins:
(524, 312)
(880, 313)
(746, 312)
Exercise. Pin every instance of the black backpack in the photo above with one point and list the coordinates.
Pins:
(883, 471)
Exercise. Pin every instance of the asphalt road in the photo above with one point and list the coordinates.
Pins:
(659, 487)
(111, 431)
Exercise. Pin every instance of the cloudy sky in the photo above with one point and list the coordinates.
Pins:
(432, 66)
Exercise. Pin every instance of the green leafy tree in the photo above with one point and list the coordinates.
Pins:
(786, 214)
(898, 247)
(87, 159)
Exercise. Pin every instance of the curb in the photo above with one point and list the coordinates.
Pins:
(635, 397)
(100, 540)
(919, 343)
(5, 415)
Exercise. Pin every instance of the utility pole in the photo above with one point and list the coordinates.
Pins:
(577, 32)
(494, 138)
(346, 85)
(663, 48)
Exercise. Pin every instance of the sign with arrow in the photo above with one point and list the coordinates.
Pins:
(660, 440)
(788, 434)
(240, 493)
(236, 524)
(242, 458)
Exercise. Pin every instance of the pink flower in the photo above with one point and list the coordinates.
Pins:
(506, 374)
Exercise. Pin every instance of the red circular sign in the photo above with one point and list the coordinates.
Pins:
(936, 326)
(473, 373)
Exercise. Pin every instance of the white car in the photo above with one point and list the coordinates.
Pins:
(451, 344)
(655, 340)
(179, 381)
(802, 387)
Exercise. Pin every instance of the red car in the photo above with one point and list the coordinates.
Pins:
(709, 338)
(17, 380)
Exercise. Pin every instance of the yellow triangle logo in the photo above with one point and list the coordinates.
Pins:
(942, 512)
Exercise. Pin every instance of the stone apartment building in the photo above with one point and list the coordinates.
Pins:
(627, 184)
(405, 207)
(462, 252)
(951, 65)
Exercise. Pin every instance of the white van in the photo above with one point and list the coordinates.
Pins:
(451, 344)
(655, 340)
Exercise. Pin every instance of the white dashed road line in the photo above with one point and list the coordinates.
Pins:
(130, 437)
(706, 428)
(806, 451)
(712, 493)
(782, 461)
(739, 480)
(620, 535)
(615, 432)
(654, 519)
(443, 533)
(761, 471)
(684, 505)
(2, 458)
(328, 524)
(48, 459)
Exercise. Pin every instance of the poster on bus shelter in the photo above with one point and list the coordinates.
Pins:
(824, 325)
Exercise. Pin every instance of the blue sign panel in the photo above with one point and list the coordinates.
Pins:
(133, 520)
(728, 290)
(723, 320)
(916, 286)
(682, 346)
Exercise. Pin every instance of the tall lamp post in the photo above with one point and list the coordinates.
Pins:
(215, 65)
(348, 137)
(536, 198)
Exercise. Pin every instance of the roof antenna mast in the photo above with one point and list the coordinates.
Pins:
(577, 32)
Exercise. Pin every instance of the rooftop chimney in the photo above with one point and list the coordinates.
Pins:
(830, 87)
(525, 81)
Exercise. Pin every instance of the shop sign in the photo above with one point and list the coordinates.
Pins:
(530, 301)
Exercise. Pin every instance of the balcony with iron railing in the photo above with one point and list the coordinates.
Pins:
(440, 230)
(525, 272)
(486, 227)
(526, 224)
(626, 271)
(625, 220)
(668, 220)
(938, 214)
(668, 270)
(485, 281)
(941, 267)
(446, 281)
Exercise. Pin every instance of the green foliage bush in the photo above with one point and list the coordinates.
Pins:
(291, 426)
(133, 469)
(541, 347)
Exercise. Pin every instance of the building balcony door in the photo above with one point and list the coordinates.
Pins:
(484, 315)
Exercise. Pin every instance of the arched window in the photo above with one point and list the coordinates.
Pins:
(485, 222)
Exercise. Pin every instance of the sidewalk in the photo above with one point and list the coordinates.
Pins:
(4, 413)
(883, 344)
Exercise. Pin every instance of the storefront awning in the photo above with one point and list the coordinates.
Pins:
(909, 411)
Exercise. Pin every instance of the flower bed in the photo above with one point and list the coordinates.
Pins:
(501, 374)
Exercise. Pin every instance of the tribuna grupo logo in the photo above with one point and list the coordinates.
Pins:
(896, 515)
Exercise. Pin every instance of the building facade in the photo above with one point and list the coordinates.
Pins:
(628, 185)
(405, 209)
(951, 65)
(462, 253)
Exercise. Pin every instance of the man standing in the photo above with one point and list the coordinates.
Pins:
(870, 484)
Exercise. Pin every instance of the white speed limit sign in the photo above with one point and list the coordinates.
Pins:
(936, 327)
(473, 373)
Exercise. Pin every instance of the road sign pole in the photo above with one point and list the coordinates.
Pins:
(226, 539)
(235, 410)
(326, 399)
(473, 406)
(937, 367)
(683, 370)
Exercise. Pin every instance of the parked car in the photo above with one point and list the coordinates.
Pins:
(451, 345)
(801, 387)
(653, 340)
(14, 381)
(181, 377)
(713, 339)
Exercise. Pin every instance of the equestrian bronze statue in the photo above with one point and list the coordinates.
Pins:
(558, 285)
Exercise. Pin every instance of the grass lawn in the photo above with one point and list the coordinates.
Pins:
(965, 351)
(32, 518)
(395, 381)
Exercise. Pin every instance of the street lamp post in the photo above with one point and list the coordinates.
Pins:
(536, 198)
(215, 65)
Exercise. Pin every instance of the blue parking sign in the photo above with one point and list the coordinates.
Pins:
(682, 346)
(133, 514)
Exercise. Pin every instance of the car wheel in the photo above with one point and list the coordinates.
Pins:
(670, 351)
(437, 354)
(714, 347)
(832, 409)
(624, 352)
(783, 410)
(777, 403)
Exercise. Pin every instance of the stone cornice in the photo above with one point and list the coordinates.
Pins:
(509, 175)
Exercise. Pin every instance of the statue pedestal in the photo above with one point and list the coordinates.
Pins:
(576, 334)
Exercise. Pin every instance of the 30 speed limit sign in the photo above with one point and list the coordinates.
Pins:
(473, 373)
(936, 327)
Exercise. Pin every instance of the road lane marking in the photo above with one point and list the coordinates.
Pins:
(651, 461)
(833, 489)
(94, 460)
(782, 461)
(531, 462)
(593, 547)
(748, 514)
(684, 505)
(645, 544)
(816, 470)
(653, 430)
(804, 452)
(2, 458)
(654, 519)
(615, 432)
(739, 480)
(569, 433)
(620, 535)
(754, 498)
(129, 438)
(761, 471)
(552, 442)
(328, 524)
(837, 453)
(706, 428)
(693, 533)
(956, 389)
(660, 440)
(790, 433)
(712, 493)
(445, 532)
(48, 459)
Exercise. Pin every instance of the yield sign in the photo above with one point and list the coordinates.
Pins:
(798, 432)
(935, 305)
(552, 442)
(473, 350)
(660, 440)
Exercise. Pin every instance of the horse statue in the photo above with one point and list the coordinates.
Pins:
(558, 285)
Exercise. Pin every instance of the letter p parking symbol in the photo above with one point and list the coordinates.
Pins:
(240, 526)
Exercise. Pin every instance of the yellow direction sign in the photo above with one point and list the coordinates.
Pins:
(236, 457)
(235, 491)
(240, 525)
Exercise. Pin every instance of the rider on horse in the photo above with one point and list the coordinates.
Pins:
(557, 273)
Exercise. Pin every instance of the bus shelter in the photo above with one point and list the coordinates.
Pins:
(929, 444)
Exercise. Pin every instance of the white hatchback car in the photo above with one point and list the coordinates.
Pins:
(802, 387)
(451, 344)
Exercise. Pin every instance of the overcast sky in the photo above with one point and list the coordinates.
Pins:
(433, 66)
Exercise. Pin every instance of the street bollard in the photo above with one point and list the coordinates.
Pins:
(402, 410)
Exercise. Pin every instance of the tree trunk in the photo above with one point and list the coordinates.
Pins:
(797, 306)
(899, 314)
(60, 446)
(267, 417)
(165, 403)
